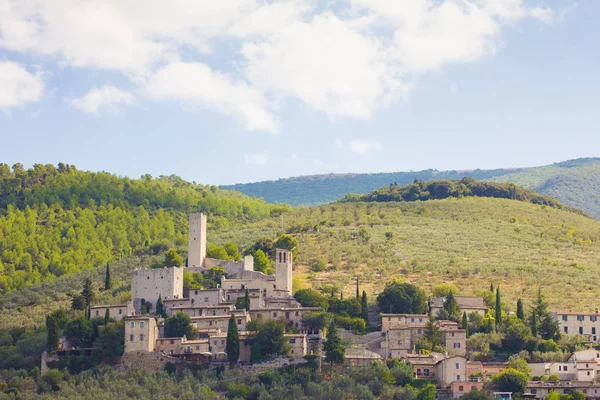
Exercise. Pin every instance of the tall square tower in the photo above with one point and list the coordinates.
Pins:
(283, 270)
(197, 240)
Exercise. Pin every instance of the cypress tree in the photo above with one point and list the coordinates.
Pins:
(335, 351)
(107, 278)
(498, 307)
(341, 295)
(364, 306)
(491, 287)
(53, 333)
(160, 308)
(232, 346)
(88, 292)
(465, 323)
(357, 293)
(247, 300)
(534, 324)
(106, 316)
(520, 311)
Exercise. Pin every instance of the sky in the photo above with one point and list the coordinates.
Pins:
(223, 92)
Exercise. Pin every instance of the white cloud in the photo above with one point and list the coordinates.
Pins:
(18, 86)
(543, 14)
(256, 158)
(364, 146)
(107, 97)
(345, 60)
(196, 84)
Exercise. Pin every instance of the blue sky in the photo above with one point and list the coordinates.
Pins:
(263, 90)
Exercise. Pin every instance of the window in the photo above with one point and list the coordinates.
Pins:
(580, 318)
(206, 299)
(239, 321)
(96, 313)
(216, 341)
(457, 345)
(593, 330)
(426, 372)
(198, 348)
(141, 324)
(566, 329)
(120, 311)
(209, 323)
(214, 312)
(133, 324)
(593, 318)
(588, 373)
(565, 317)
(452, 334)
(564, 368)
(420, 319)
(581, 330)
(131, 338)
(457, 366)
(418, 371)
(274, 315)
(461, 389)
(141, 338)
(533, 391)
(292, 341)
(458, 377)
(222, 342)
(297, 313)
(172, 341)
(412, 320)
(228, 297)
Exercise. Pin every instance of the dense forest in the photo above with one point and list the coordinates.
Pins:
(575, 183)
(55, 221)
(466, 187)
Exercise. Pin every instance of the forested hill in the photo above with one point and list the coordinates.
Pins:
(575, 183)
(59, 220)
(466, 187)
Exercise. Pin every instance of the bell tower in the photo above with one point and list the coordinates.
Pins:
(283, 270)
(197, 240)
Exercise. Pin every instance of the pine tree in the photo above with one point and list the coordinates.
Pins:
(247, 300)
(520, 311)
(465, 323)
(451, 307)
(335, 351)
(364, 306)
(107, 278)
(233, 341)
(357, 292)
(498, 307)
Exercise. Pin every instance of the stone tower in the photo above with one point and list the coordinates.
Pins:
(283, 270)
(197, 240)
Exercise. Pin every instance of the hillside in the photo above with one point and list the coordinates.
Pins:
(468, 242)
(575, 183)
(56, 221)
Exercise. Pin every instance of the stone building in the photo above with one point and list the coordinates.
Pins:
(573, 323)
(116, 312)
(141, 333)
(291, 315)
(221, 322)
(149, 284)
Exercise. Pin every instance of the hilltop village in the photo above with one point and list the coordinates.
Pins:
(158, 296)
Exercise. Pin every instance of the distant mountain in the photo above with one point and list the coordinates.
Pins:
(575, 183)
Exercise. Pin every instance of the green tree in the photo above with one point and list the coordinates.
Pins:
(107, 283)
(160, 308)
(444, 289)
(549, 329)
(429, 392)
(212, 277)
(106, 316)
(357, 292)
(232, 346)
(317, 321)
(534, 324)
(110, 343)
(88, 292)
(364, 305)
(465, 323)
(520, 311)
(269, 337)
(53, 378)
(510, 380)
(287, 242)
(311, 298)
(262, 262)
(247, 300)
(402, 298)
(78, 302)
(173, 259)
(55, 322)
(498, 307)
(433, 336)
(475, 394)
(233, 252)
(179, 325)
(333, 347)
(451, 307)
(520, 364)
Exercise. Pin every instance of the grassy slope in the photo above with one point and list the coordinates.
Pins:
(468, 242)
(576, 183)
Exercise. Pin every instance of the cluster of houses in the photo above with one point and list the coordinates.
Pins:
(209, 309)
(271, 299)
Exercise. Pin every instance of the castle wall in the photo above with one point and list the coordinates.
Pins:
(149, 284)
